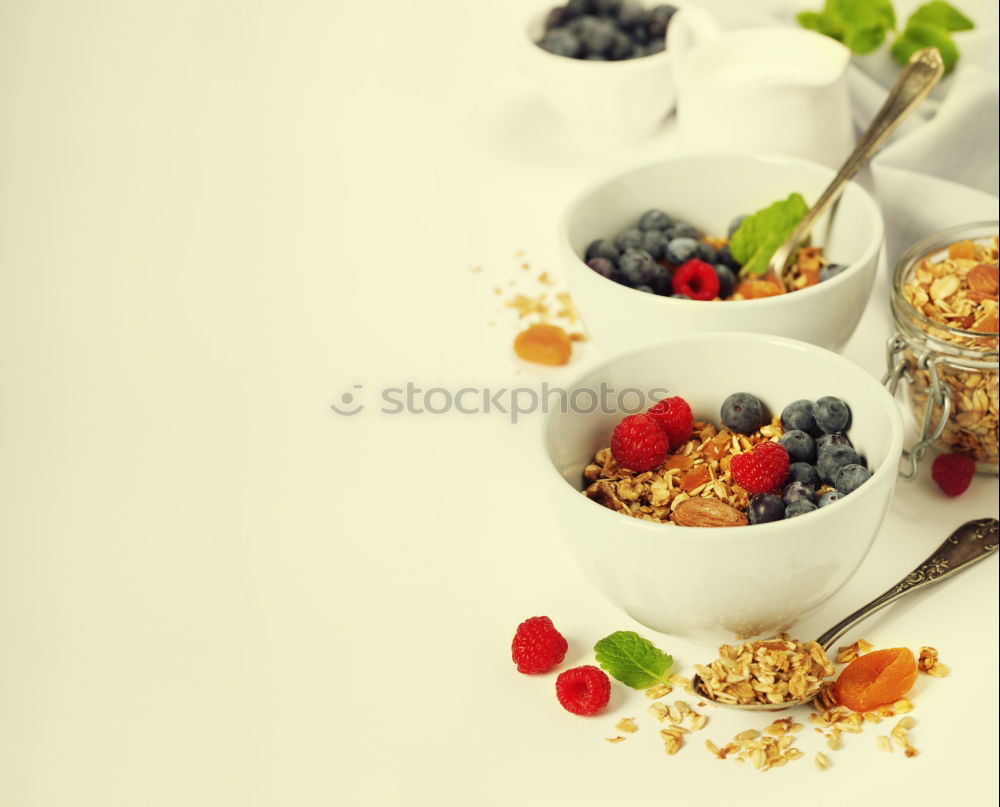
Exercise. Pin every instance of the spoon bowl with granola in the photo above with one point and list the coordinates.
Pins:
(782, 672)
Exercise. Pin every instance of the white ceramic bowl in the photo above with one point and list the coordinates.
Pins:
(610, 101)
(708, 585)
(709, 190)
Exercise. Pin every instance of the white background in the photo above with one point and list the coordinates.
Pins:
(215, 218)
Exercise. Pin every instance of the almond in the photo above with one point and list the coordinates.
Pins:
(984, 279)
(702, 512)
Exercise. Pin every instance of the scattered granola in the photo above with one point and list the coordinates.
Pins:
(627, 724)
(953, 299)
(821, 761)
(768, 672)
(618, 739)
(845, 655)
(928, 663)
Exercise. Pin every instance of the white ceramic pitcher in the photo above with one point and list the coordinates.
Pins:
(780, 90)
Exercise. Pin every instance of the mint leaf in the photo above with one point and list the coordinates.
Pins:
(820, 23)
(943, 14)
(634, 661)
(760, 234)
(921, 35)
(860, 24)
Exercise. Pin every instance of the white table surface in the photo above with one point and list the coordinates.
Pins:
(215, 218)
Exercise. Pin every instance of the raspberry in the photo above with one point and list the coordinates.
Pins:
(953, 472)
(537, 646)
(762, 469)
(638, 443)
(697, 280)
(673, 415)
(583, 690)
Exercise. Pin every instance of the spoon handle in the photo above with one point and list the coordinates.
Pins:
(915, 82)
(970, 543)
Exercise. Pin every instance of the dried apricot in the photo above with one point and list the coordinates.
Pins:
(962, 249)
(543, 344)
(876, 679)
(756, 288)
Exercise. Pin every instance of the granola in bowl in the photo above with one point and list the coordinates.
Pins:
(700, 467)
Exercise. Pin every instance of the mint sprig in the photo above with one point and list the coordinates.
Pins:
(863, 25)
(760, 234)
(634, 661)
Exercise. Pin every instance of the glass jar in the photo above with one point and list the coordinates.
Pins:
(946, 343)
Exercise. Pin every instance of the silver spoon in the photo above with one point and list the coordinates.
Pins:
(969, 544)
(915, 82)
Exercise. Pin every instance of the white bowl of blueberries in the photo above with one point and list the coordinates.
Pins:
(602, 67)
(677, 247)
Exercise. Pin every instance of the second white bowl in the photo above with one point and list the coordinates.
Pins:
(708, 191)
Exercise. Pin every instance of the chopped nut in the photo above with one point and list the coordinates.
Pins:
(659, 691)
(627, 724)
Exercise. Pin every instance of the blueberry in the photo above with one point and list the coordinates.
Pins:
(825, 441)
(832, 414)
(663, 284)
(726, 257)
(560, 42)
(765, 507)
(621, 48)
(707, 253)
(640, 34)
(680, 296)
(637, 267)
(663, 13)
(596, 57)
(603, 267)
(799, 415)
(654, 220)
(555, 18)
(799, 445)
(596, 35)
(830, 270)
(629, 239)
(681, 229)
(656, 46)
(833, 459)
(655, 243)
(631, 14)
(577, 7)
(803, 472)
(607, 8)
(797, 491)
(850, 478)
(742, 412)
(602, 248)
(734, 225)
(798, 508)
(727, 280)
(681, 250)
(829, 497)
